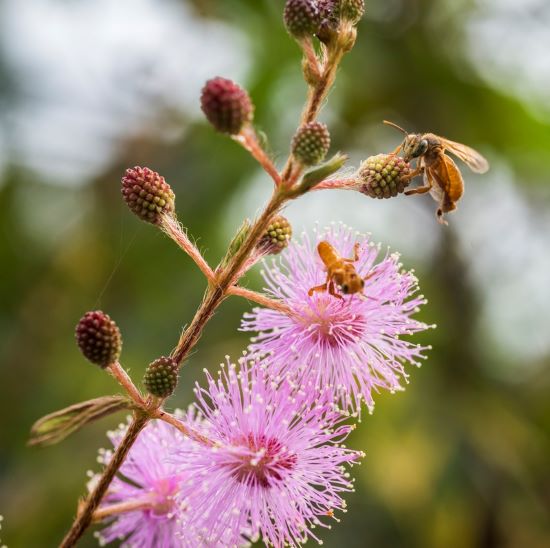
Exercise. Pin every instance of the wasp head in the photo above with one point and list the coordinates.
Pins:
(414, 146)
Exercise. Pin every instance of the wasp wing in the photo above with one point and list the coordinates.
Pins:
(472, 158)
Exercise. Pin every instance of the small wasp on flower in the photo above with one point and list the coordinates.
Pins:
(340, 272)
(442, 178)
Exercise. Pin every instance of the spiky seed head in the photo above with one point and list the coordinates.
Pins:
(98, 338)
(383, 176)
(161, 377)
(276, 237)
(311, 142)
(147, 194)
(301, 17)
(226, 105)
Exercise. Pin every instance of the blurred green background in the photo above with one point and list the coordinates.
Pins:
(89, 87)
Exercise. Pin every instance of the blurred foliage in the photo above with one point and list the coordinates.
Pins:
(461, 459)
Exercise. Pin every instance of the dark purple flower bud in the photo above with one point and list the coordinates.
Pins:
(98, 338)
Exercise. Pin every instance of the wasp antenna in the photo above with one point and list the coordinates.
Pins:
(395, 126)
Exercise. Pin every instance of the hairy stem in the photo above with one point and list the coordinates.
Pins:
(182, 427)
(118, 372)
(226, 278)
(84, 519)
(337, 184)
(249, 140)
(120, 508)
(259, 298)
(172, 228)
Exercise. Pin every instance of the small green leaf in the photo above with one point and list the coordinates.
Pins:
(322, 172)
(56, 426)
(236, 242)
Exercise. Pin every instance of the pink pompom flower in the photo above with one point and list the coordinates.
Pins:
(276, 467)
(354, 345)
(142, 503)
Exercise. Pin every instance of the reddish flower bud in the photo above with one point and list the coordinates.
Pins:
(226, 105)
(276, 237)
(301, 17)
(147, 194)
(383, 176)
(311, 142)
(161, 377)
(98, 338)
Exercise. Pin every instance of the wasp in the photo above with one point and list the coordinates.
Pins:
(340, 272)
(442, 178)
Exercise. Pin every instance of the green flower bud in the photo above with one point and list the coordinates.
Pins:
(276, 237)
(310, 144)
(383, 176)
(161, 377)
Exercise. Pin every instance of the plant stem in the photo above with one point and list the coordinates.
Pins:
(182, 427)
(259, 298)
(226, 278)
(219, 287)
(85, 517)
(118, 372)
(215, 294)
(120, 508)
(172, 227)
(249, 140)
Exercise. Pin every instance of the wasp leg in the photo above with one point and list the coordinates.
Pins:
(415, 173)
(317, 288)
(397, 150)
(355, 254)
(440, 217)
(331, 290)
(421, 189)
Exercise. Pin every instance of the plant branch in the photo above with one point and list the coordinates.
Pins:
(187, 431)
(337, 184)
(84, 519)
(256, 297)
(226, 278)
(249, 140)
(172, 228)
(118, 372)
(120, 508)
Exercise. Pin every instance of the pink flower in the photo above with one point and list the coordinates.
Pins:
(276, 466)
(354, 345)
(142, 501)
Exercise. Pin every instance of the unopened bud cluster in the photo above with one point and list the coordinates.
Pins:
(161, 377)
(321, 17)
(301, 17)
(310, 144)
(383, 176)
(277, 236)
(98, 338)
(226, 105)
(147, 194)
